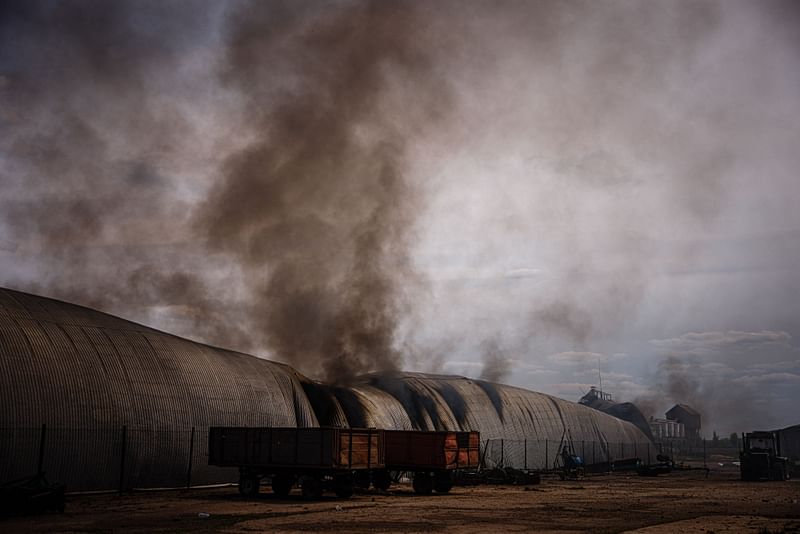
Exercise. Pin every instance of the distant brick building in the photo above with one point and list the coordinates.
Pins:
(687, 416)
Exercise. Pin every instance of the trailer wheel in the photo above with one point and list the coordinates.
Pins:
(381, 480)
(249, 484)
(442, 482)
(423, 483)
(343, 486)
(282, 485)
(361, 480)
(778, 472)
(312, 488)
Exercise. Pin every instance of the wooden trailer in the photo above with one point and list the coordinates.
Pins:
(431, 457)
(315, 458)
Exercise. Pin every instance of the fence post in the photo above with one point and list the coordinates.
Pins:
(41, 449)
(122, 460)
(502, 452)
(546, 456)
(525, 461)
(704, 454)
(191, 457)
(594, 459)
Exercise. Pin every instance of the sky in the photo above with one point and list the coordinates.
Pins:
(547, 194)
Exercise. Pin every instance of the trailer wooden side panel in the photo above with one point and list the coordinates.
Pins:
(361, 449)
(312, 448)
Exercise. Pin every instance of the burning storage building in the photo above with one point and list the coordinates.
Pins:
(99, 402)
(688, 417)
(627, 411)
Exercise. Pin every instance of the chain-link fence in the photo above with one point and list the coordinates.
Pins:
(122, 458)
(540, 454)
(126, 458)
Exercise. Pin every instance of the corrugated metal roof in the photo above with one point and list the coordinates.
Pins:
(86, 374)
(438, 402)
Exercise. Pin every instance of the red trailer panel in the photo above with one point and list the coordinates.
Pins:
(438, 450)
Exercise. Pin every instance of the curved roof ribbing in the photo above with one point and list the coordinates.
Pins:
(87, 374)
(439, 402)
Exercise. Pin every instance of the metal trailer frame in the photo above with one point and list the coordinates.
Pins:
(428, 457)
(297, 462)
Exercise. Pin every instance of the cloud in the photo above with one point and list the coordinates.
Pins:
(733, 378)
(731, 342)
(723, 340)
(576, 358)
(769, 379)
(523, 273)
(786, 365)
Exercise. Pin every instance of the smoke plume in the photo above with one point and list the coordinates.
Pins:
(317, 208)
(299, 246)
(496, 361)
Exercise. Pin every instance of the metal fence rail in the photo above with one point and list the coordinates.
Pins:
(539, 454)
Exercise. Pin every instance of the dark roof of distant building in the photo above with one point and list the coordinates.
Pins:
(686, 408)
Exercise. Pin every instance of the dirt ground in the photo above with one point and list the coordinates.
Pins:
(678, 502)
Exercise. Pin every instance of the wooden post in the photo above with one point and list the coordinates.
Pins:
(350, 452)
(369, 449)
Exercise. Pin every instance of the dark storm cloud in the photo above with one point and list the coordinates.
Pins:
(86, 136)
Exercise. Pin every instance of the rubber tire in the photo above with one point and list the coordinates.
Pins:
(249, 485)
(423, 483)
(343, 486)
(312, 488)
(778, 472)
(361, 480)
(282, 485)
(382, 480)
(442, 482)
